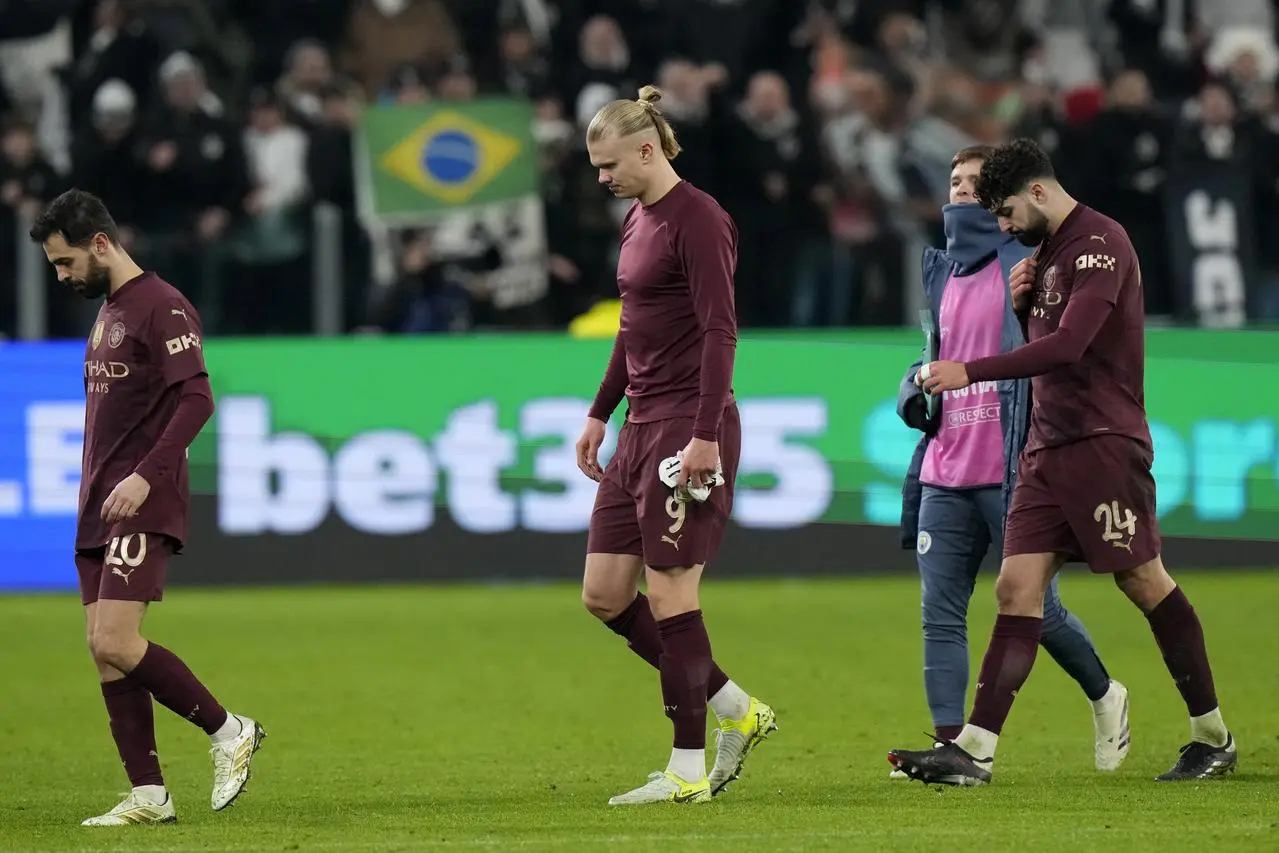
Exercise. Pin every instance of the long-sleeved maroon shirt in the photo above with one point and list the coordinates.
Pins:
(146, 397)
(673, 356)
(1086, 325)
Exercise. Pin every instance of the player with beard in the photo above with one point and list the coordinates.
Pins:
(666, 494)
(1084, 490)
(147, 396)
(962, 475)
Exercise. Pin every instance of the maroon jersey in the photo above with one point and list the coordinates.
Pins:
(673, 356)
(145, 344)
(1087, 349)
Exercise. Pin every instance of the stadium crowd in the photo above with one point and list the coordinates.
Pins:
(212, 127)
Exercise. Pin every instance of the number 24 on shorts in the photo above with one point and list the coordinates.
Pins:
(1119, 525)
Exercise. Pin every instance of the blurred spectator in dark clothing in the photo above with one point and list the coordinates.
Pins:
(566, 249)
(1035, 111)
(522, 69)
(308, 72)
(582, 225)
(408, 84)
(719, 32)
(1265, 301)
(686, 105)
(27, 181)
(861, 22)
(385, 35)
(121, 47)
(773, 155)
(104, 160)
(456, 84)
(645, 27)
(276, 27)
(1214, 129)
(271, 242)
(194, 181)
(433, 295)
(332, 180)
(329, 170)
(1149, 42)
(604, 70)
(901, 42)
(887, 184)
(1123, 172)
(425, 299)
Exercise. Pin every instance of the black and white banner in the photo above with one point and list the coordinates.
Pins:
(1211, 243)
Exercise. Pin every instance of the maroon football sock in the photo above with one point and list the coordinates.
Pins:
(685, 668)
(1005, 668)
(637, 626)
(176, 688)
(1181, 639)
(949, 732)
(133, 727)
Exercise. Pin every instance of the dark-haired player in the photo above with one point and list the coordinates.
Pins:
(1085, 490)
(673, 360)
(147, 396)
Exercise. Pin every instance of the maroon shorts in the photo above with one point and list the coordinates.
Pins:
(132, 567)
(635, 512)
(1093, 500)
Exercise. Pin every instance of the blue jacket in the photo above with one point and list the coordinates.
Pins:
(973, 240)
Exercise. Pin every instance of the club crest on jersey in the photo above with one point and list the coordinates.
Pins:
(96, 338)
(116, 337)
(1050, 278)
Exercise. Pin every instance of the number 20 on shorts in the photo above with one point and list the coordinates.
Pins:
(127, 551)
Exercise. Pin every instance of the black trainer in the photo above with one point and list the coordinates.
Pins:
(944, 764)
(1201, 760)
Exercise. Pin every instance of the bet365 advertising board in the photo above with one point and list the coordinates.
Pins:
(381, 459)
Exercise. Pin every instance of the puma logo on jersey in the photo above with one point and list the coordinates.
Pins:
(674, 543)
(115, 570)
(179, 312)
(1101, 237)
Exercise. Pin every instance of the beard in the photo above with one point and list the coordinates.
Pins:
(1034, 233)
(96, 284)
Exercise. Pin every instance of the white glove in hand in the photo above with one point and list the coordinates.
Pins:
(668, 470)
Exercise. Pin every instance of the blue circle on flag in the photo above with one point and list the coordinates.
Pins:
(451, 156)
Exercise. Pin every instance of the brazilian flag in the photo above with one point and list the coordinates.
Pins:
(420, 162)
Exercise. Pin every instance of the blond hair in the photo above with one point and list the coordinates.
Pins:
(624, 118)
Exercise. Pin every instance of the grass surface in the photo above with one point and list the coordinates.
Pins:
(473, 718)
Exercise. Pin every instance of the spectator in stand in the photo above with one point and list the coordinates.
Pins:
(271, 245)
(385, 35)
(194, 183)
(1123, 169)
(104, 161)
(308, 72)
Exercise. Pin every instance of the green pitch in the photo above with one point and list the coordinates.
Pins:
(491, 718)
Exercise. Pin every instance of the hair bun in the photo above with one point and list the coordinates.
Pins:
(649, 97)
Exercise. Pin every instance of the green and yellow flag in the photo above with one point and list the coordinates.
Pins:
(420, 162)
